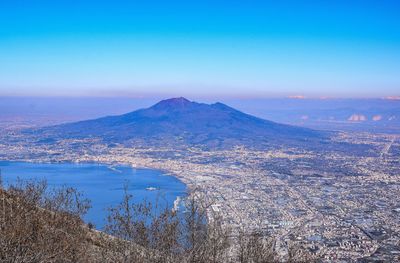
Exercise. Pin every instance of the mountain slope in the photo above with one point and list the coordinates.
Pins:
(179, 120)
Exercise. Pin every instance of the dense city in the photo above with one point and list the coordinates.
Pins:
(338, 206)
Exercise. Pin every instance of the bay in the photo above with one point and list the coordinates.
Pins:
(101, 183)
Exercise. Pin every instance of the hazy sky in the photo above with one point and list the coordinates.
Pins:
(200, 48)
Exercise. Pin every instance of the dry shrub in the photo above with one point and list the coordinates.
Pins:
(255, 248)
(41, 225)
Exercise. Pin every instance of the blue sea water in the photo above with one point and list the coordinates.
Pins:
(102, 184)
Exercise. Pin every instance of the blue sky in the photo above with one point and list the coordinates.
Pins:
(200, 48)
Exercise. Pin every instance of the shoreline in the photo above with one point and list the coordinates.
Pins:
(109, 165)
(163, 171)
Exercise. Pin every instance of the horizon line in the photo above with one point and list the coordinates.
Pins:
(198, 96)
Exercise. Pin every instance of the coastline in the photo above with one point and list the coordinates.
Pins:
(174, 187)
(109, 165)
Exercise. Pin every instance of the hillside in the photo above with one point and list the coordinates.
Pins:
(180, 121)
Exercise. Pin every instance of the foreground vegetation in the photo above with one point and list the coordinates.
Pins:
(38, 224)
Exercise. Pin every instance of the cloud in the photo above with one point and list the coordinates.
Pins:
(297, 97)
(392, 98)
(357, 118)
(377, 117)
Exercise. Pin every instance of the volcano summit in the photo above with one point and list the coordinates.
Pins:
(179, 121)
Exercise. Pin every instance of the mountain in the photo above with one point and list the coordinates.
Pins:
(179, 121)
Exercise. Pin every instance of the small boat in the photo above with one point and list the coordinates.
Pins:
(176, 204)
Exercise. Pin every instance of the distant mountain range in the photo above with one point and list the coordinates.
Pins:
(366, 115)
(371, 115)
(178, 121)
